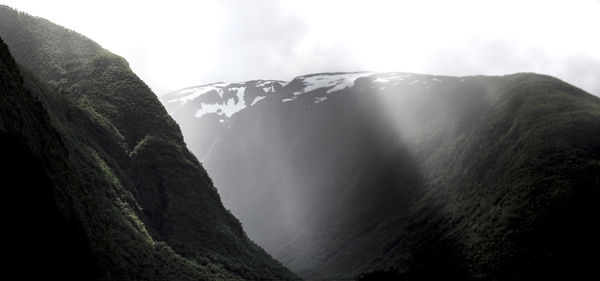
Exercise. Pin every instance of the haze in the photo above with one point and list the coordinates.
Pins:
(176, 44)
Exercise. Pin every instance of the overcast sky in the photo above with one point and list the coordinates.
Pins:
(175, 44)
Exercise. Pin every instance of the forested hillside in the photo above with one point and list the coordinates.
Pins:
(116, 172)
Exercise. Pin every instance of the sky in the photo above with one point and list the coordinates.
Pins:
(176, 44)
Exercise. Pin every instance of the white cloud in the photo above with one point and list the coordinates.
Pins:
(176, 44)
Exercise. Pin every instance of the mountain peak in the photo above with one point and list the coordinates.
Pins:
(223, 99)
(332, 81)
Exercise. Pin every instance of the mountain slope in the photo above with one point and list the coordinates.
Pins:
(338, 174)
(32, 156)
(214, 105)
(147, 207)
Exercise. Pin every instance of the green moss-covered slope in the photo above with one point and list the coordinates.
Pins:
(143, 206)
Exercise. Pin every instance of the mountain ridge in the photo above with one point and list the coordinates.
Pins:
(396, 171)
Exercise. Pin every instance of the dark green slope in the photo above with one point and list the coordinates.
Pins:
(525, 182)
(512, 191)
(64, 217)
(33, 166)
(146, 193)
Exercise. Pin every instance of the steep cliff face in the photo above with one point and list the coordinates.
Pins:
(145, 207)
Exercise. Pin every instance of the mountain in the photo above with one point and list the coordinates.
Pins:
(99, 183)
(409, 176)
(218, 103)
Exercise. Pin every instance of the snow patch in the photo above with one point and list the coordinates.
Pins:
(391, 77)
(397, 76)
(268, 83)
(320, 99)
(381, 80)
(257, 99)
(269, 86)
(335, 82)
(196, 92)
(227, 107)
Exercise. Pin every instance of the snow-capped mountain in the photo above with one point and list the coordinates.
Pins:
(222, 99)
(320, 86)
(329, 82)
(226, 99)
(272, 146)
(337, 174)
(204, 111)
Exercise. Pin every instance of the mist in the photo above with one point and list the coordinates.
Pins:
(431, 163)
(334, 172)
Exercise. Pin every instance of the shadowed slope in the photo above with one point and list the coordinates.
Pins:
(129, 156)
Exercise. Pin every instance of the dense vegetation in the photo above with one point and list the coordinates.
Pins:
(115, 171)
(458, 178)
(32, 167)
